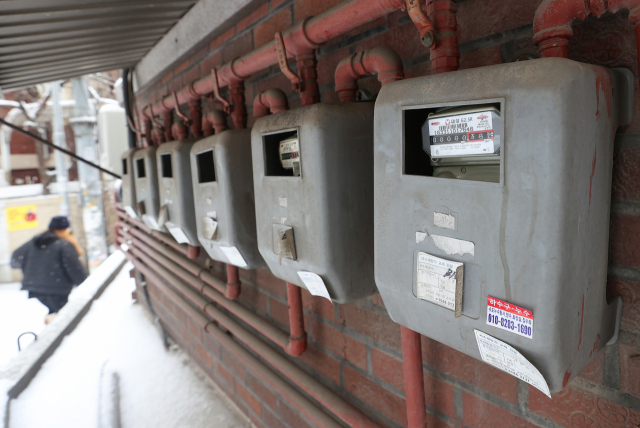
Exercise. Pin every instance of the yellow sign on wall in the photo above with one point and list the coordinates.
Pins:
(20, 218)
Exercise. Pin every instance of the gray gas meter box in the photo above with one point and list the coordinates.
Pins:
(177, 212)
(313, 175)
(128, 183)
(492, 197)
(222, 179)
(146, 183)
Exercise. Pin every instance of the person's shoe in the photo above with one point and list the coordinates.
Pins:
(48, 318)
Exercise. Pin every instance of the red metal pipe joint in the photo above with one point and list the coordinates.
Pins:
(383, 61)
(445, 52)
(214, 121)
(422, 21)
(195, 113)
(272, 100)
(238, 104)
(553, 18)
(297, 335)
(233, 283)
(167, 116)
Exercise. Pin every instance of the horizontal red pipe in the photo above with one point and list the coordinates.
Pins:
(267, 375)
(298, 39)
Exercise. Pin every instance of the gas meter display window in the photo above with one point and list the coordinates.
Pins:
(282, 154)
(124, 167)
(206, 167)
(140, 168)
(167, 169)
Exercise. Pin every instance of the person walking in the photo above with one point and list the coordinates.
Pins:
(50, 265)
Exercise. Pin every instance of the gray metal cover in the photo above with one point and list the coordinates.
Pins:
(230, 197)
(329, 206)
(540, 235)
(128, 181)
(176, 193)
(147, 191)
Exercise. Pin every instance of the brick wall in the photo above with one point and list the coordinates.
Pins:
(355, 348)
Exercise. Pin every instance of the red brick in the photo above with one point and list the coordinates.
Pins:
(340, 344)
(174, 85)
(572, 407)
(253, 17)
(387, 403)
(318, 306)
(202, 353)
(261, 390)
(482, 414)
(254, 298)
(222, 38)
(630, 293)
(469, 370)
(626, 175)
(225, 374)
(278, 81)
(265, 32)
(304, 8)
(322, 363)
(625, 242)
(245, 274)
(167, 77)
(291, 416)
(478, 18)
(377, 326)
(266, 280)
(593, 371)
(376, 299)
(327, 66)
(630, 369)
(232, 363)
(212, 62)
(404, 40)
(271, 420)
(255, 420)
(439, 395)
(182, 67)
(276, 3)
(387, 368)
(21, 144)
(279, 312)
(482, 57)
(197, 57)
(238, 47)
(248, 398)
(194, 328)
(190, 75)
(212, 345)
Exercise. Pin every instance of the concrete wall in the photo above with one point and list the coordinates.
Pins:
(355, 348)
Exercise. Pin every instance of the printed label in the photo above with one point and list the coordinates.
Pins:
(510, 317)
(234, 256)
(440, 281)
(289, 152)
(462, 134)
(314, 284)
(502, 356)
(129, 210)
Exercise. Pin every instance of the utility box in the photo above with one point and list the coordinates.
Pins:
(506, 233)
(145, 173)
(128, 183)
(177, 212)
(222, 179)
(312, 169)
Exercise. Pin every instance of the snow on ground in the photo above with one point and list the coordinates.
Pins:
(18, 314)
(116, 343)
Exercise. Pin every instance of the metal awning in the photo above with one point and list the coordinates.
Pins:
(45, 40)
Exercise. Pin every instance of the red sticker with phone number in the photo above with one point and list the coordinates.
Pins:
(509, 317)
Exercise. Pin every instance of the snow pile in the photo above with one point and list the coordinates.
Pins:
(113, 371)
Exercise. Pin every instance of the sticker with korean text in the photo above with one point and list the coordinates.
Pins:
(510, 317)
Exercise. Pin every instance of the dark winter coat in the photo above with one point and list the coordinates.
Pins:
(49, 265)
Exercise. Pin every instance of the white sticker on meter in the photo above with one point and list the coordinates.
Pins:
(179, 235)
(510, 317)
(502, 356)
(129, 210)
(462, 134)
(314, 284)
(234, 256)
(440, 281)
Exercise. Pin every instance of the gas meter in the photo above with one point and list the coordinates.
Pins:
(492, 196)
(147, 202)
(312, 169)
(128, 183)
(222, 179)
(177, 211)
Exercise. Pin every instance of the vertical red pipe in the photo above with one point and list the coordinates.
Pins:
(413, 378)
(233, 282)
(238, 105)
(195, 112)
(308, 74)
(167, 116)
(445, 53)
(297, 335)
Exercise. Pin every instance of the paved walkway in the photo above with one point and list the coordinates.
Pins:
(113, 371)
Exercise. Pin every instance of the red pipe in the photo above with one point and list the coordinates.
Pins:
(193, 252)
(383, 61)
(413, 378)
(297, 335)
(553, 18)
(422, 21)
(195, 113)
(445, 52)
(272, 100)
(167, 116)
(214, 121)
(233, 282)
(299, 39)
(238, 104)
(342, 410)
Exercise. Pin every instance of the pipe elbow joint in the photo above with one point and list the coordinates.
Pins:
(297, 345)
(233, 291)
(272, 100)
(552, 22)
(217, 119)
(193, 252)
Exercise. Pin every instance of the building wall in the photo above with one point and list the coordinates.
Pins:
(355, 348)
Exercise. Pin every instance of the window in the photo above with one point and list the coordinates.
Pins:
(167, 169)
(274, 160)
(206, 168)
(124, 167)
(140, 168)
